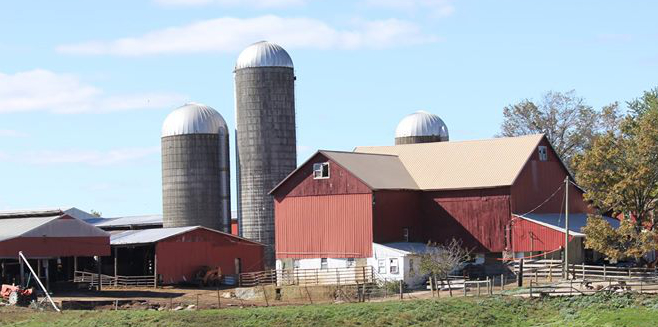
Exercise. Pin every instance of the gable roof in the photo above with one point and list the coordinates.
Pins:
(375, 170)
(465, 164)
(49, 223)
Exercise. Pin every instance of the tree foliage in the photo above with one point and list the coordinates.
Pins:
(620, 175)
(567, 121)
(440, 259)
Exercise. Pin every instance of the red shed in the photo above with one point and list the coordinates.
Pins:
(337, 204)
(178, 253)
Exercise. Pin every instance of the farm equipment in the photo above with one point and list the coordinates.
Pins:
(17, 295)
(207, 276)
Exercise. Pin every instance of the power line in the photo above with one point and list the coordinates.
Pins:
(545, 201)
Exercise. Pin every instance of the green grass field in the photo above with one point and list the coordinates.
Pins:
(600, 310)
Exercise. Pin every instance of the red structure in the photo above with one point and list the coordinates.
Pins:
(179, 253)
(418, 193)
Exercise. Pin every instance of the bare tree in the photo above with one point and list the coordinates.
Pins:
(439, 260)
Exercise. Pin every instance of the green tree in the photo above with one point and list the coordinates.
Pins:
(567, 121)
(620, 175)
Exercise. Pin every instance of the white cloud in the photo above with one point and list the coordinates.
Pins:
(230, 35)
(43, 90)
(85, 157)
(11, 133)
(261, 4)
(439, 8)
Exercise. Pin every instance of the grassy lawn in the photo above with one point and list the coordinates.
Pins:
(603, 310)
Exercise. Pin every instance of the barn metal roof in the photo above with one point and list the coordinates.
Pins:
(465, 164)
(48, 222)
(556, 221)
(263, 54)
(377, 171)
(194, 118)
(147, 236)
(422, 123)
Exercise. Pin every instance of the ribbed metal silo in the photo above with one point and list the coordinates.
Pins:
(265, 136)
(421, 127)
(195, 169)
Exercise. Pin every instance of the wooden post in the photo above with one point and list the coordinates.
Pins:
(583, 270)
(502, 282)
(550, 272)
(464, 288)
(337, 277)
(155, 270)
(116, 267)
(197, 302)
(519, 276)
(100, 271)
(640, 286)
(570, 287)
(75, 265)
(629, 272)
(401, 294)
(530, 288)
(219, 301)
(46, 266)
(449, 286)
(604, 272)
(267, 303)
(478, 284)
(536, 276)
(22, 271)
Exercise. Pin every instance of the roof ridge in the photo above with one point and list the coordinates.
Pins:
(360, 153)
(493, 139)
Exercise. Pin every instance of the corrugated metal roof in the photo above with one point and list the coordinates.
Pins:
(15, 227)
(557, 221)
(146, 236)
(194, 118)
(127, 221)
(405, 248)
(377, 171)
(422, 123)
(263, 54)
(465, 164)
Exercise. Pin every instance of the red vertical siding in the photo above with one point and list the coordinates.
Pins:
(538, 180)
(395, 210)
(331, 226)
(181, 256)
(528, 236)
(476, 217)
(302, 183)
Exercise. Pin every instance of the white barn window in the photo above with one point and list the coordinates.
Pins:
(321, 170)
(393, 265)
(324, 264)
(381, 266)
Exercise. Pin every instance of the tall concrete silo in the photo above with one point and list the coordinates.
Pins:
(195, 168)
(421, 127)
(265, 136)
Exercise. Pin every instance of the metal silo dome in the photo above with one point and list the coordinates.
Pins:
(263, 54)
(195, 169)
(421, 127)
(194, 118)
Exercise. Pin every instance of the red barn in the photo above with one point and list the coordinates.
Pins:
(337, 204)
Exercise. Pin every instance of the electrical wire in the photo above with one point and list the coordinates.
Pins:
(545, 201)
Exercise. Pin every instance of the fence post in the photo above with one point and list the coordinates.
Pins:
(530, 289)
(550, 272)
(219, 301)
(401, 296)
(640, 286)
(197, 302)
(536, 277)
(519, 276)
(478, 284)
(502, 282)
(267, 303)
(449, 287)
(583, 270)
(464, 288)
(629, 272)
(604, 272)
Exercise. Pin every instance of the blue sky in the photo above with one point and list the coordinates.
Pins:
(86, 85)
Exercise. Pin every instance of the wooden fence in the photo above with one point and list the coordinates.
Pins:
(119, 281)
(329, 276)
(553, 269)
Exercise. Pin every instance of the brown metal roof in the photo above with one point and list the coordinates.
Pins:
(462, 165)
(375, 170)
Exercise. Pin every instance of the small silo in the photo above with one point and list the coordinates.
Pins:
(265, 136)
(421, 127)
(195, 168)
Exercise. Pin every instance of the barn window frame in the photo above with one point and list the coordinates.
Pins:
(394, 266)
(381, 266)
(351, 262)
(324, 263)
(321, 170)
(543, 152)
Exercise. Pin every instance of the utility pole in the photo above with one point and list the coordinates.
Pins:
(566, 229)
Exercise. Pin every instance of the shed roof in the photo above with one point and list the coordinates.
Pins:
(154, 235)
(465, 164)
(556, 221)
